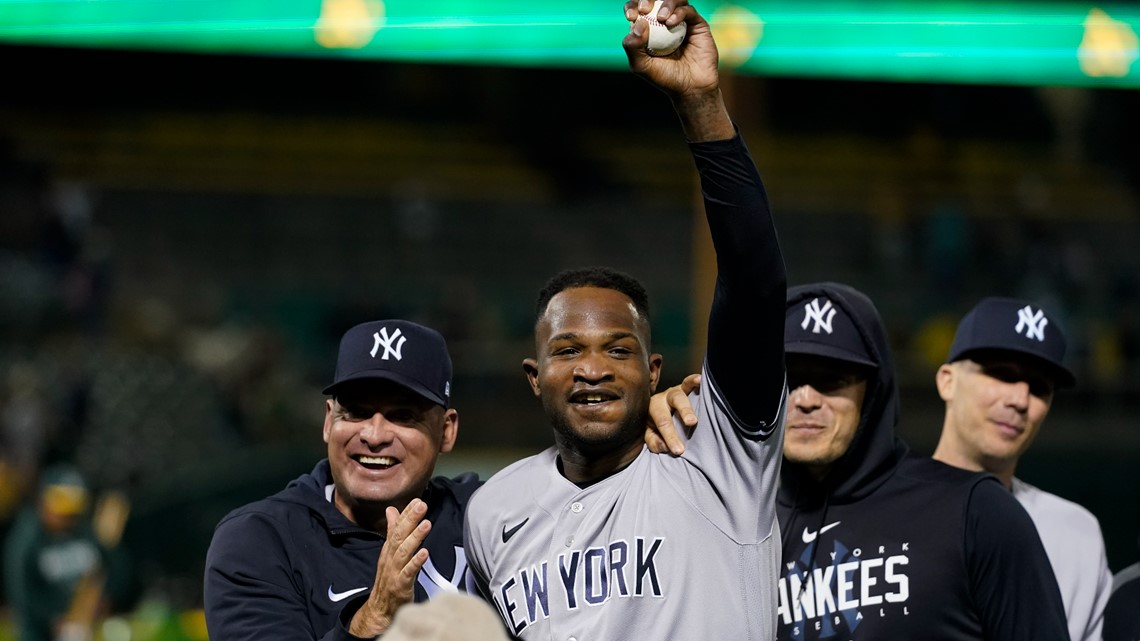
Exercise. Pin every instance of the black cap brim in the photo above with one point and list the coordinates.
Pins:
(1061, 376)
(386, 375)
(829, 351)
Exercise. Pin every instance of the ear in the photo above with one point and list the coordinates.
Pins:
(655, 361)
(530, 367)
(328, 418)
(450, 430)
(944, 380)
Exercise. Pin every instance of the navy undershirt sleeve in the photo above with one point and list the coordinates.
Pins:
(1009, 570)
(745, 352)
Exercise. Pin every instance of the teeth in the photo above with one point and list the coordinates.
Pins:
(377, 460)
(593, 398)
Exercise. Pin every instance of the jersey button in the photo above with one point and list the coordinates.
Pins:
(575, 507)
(569, 541)
(572, 639)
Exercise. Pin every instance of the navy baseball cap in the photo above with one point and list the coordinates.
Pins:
(400, 351)
(821, 327)
(1012, 325)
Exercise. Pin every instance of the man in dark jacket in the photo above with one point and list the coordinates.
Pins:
(880, 543)
(334, 554)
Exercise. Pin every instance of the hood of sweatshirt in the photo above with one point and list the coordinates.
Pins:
(834, 320)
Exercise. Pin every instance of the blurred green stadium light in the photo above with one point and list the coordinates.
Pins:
(1026, 43)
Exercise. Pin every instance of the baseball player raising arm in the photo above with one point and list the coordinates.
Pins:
(594, 538)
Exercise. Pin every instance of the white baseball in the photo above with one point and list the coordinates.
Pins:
(663, 40)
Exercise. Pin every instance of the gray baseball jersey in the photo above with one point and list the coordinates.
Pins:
(1072, 539)
(669, 548)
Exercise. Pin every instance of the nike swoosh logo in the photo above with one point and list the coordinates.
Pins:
(809, 536)
(341, 596)
(507, 534)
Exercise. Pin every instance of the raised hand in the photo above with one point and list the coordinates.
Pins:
(400, 562)
(692, 68)
(689, 75)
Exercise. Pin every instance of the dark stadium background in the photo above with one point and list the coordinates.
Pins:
(184, 238)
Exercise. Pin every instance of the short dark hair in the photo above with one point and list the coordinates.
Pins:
(603, 277)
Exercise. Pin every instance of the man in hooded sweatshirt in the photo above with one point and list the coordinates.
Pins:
(880, 543)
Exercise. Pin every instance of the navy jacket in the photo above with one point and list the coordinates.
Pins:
(292, 567)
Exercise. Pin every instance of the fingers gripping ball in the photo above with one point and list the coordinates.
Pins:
(663, 40)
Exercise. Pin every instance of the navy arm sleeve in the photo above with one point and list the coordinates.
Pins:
(1017, 594)
(745, 353)
(249, 593)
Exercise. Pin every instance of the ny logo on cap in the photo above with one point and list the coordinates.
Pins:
(383, 340)
(1033, 324)
(816, 313)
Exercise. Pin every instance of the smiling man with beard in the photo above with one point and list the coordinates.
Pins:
(595, 538)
